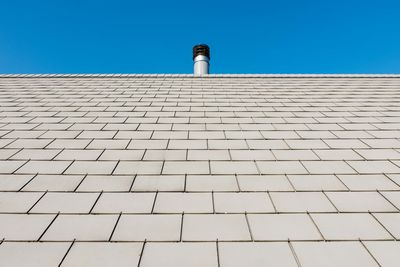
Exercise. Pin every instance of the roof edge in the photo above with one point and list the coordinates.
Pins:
(204, 76)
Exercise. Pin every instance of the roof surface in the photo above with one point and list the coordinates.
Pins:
(175, 170)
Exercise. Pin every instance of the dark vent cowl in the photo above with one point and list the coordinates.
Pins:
(201, 49)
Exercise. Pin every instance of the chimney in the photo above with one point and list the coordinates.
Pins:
(201, 58)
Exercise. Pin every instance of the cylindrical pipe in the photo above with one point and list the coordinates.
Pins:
(201, 58)
(201, 65)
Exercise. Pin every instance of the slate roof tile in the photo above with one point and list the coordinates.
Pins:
(177, 170)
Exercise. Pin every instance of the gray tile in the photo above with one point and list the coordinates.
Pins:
(148, 227)
(148, 144)
(159, 183)
(124, 202)
(345, 143)
(180, 254)
(69, 143)
(183, 202)
(267, 144)
(36, 154)
(78, 154)
(103, 254)
(210, 183)
(20, 227)
(233, 167)
(385, 252)
(165, 155)
(251, 155)
(107, 144)
(379, 154)
(34, 254)
(187, 144)
(382, 143)
(30, 143)
(105, 183)
(281, 167)
(374, 167)
(301, 202)
(280, 134)
(273, 227)
(242, 202)
(54, 183)
(328, 167)
(360, 202)
(243, 135)
(117, 154)
(368, 182)
(349, 226)
(44, 167)
(7, 153)
(255, 254)
(17, 202)
(210, 227)
(60, 134)
(316, 182)
(81, 228)
(209, 154)
(8, 167)
(206, 135)
(391, 221)
(65, 203)
(393, 197)
(395, 178)
(91, 167)
(169, 135)
(332, 254)
(96, 134)
(337, 154)
(138, 167)
(14, 182)
(306, 144)
(264, 183)
(302, 154)
(186, 167)
(227, 144)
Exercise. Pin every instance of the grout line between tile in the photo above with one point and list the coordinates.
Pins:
(217, 247)
(181, 232)
(248, 226)
(154, 202)
(316, 226)
(213, 201)
(45, 230)
(80, 182)
(272, 202)
(115, 227)
(34, 176)
(296, 258)
(66, 253)
(370, 253)
(133, 181)
(381, 224)
(382, 195)
(333, 204)
(95, 202)
(37, 201)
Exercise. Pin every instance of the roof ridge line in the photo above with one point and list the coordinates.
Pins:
(77, 75)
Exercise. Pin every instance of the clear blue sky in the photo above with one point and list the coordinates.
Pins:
(325, 36)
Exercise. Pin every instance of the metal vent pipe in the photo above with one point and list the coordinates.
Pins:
(201, 58)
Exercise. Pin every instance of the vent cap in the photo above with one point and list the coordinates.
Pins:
(201, 58)
(201, 49)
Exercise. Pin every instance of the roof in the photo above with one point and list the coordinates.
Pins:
(176, 170)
